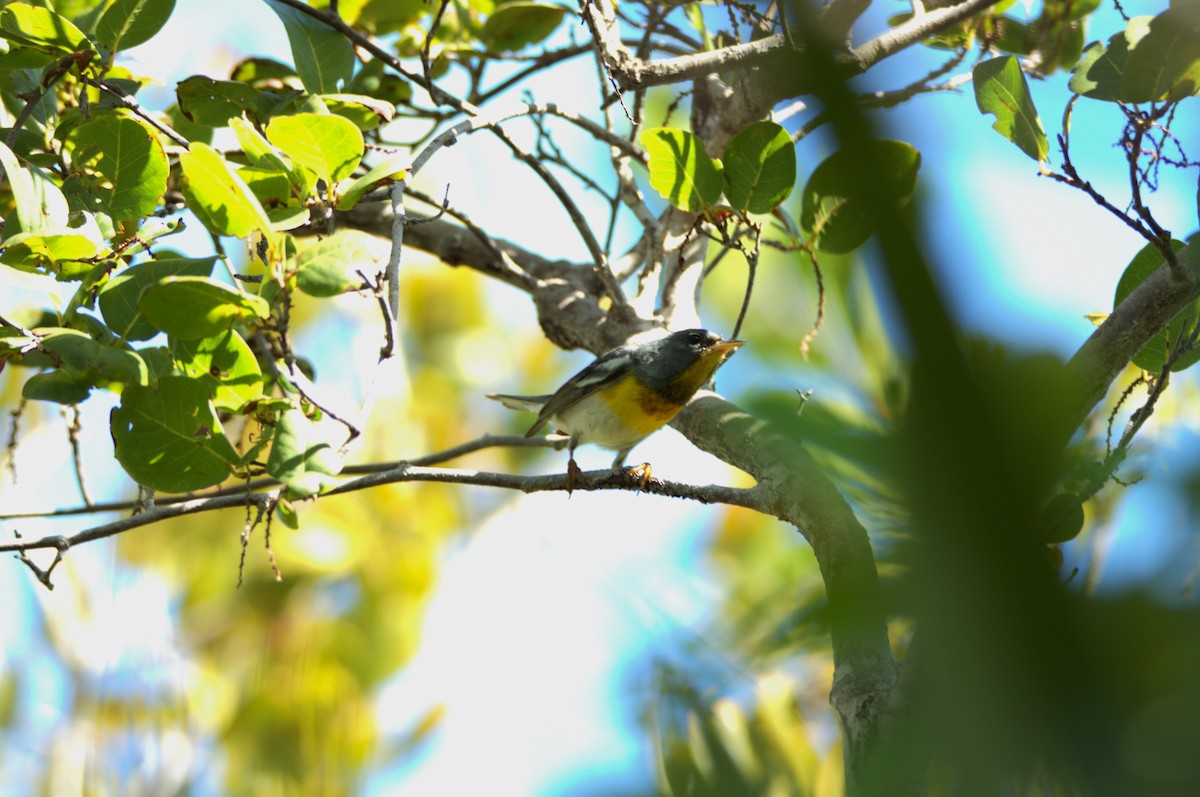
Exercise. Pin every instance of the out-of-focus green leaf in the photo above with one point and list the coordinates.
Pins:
(1001, 90)
(1101, 70)
(197, 307)
(128, 23)
(680, 170)
(835, 215)
(517, 25)
(301, 457)
(118, 299)
(1165, 64)
(324, 58)
(760, 167)
(168, 436)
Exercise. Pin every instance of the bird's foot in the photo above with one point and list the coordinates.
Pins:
(641, 474)
(574, 474)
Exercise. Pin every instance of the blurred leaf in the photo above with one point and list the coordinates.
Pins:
(680, 170)
(1061, 519)
(1001, 90)
(1100, 72)
(128, 23)
(1165, 64)
(324, 58)
(385, 173)
(517, 25)
(301, 457)
(168, 436)
(760, 167)
(197, 307)
(835, 215)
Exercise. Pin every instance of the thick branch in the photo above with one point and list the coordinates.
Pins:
(1133, 323)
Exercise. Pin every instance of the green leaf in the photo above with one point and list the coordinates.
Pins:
(197, 307)
(93, 362)
(367, 113)
(58, 250)
(123, 164)
(327, 268)
(256, 148)
(301, 457)
(119, 297)
(1100, 72)
(57, 386)
(1165, 64)
(515, 26)
(330, 146)
(760, 167)
(1001, 90)
(30, 213)
(219, 198)
(680, 170)
(835, 213)
(324, 57)
(128, 23)
(225, 364)
(205, 101)
(1153, 356)
(168, 437)
(41, 29)
(390, 170)
(1061, 519)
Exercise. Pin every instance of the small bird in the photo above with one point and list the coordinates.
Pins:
(627, 393)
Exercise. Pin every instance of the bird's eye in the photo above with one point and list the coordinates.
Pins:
(695, 338)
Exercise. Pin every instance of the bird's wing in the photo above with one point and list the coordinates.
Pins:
(603, 371)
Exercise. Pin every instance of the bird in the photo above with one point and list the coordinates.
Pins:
(627, 394)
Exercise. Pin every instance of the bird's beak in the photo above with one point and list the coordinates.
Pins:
(727, 347)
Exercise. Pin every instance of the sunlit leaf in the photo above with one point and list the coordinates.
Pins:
(1165, 64)
(119, 297)
(168, 437)
(42, 29)
(327, 268)
(225, 364)
(123, 165)
(301, 457)
(1001, 90)
(128, 23)
(205, 101)
(197, 307)
(324, 58)
(760, 167)
(219, 198)
(330, 146)
(680, 170)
